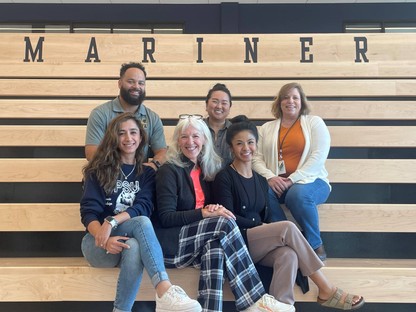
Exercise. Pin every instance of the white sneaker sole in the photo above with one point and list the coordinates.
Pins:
(193, 309)
(196, 309)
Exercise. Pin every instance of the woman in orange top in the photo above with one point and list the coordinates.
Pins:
(292, 151)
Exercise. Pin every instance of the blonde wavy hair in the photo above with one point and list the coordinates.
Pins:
(208, 159)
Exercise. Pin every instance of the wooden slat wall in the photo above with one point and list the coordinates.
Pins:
(65, 217)
(170, 109)
(279, 56)
(341, 136)
(370, 105)
(191, 88)
(340, 170)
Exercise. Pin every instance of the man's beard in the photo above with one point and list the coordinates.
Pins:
(133, 101)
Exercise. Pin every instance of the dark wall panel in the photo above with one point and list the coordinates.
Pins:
(318, 18)
(196, 18)
(217, 18)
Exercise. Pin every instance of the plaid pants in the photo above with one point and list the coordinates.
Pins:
(215, 245)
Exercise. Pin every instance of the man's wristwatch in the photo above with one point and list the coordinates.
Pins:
(113, 222)
(157, 163)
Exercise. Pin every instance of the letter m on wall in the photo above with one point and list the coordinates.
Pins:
(34, 54)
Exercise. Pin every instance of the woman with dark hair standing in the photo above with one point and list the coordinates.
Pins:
(115, 209)
(218, 104)
(279, 245)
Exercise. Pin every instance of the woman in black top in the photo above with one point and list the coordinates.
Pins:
(279, 245)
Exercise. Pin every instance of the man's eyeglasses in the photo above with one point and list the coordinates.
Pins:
(196, 116)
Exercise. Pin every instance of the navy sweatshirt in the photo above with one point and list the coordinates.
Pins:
(135, 196)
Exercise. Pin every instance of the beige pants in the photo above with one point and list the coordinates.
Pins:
(281, 245)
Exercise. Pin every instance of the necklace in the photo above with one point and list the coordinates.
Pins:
(126, 176)
(243, 184)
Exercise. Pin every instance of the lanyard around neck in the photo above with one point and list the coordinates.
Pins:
(284, 137)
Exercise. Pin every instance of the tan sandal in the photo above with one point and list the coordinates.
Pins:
(335, 301)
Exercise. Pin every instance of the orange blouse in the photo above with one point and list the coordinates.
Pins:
(292, 147)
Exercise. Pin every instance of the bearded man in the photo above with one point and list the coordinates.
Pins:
(132, 85)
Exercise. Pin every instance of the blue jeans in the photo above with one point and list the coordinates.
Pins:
(144, 252)
(302, 201)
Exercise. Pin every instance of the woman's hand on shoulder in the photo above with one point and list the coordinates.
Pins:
(216, 210)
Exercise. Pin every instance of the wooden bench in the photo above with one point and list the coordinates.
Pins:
(72, 279)
(367, 106)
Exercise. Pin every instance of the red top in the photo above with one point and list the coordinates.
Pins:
(199, 194)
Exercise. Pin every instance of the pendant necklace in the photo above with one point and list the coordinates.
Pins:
(126, 176)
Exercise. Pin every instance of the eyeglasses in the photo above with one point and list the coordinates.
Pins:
(195, 116)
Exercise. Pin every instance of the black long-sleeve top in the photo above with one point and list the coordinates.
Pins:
(175, 203)
(228, 190)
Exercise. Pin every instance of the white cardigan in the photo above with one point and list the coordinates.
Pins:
(312, 162)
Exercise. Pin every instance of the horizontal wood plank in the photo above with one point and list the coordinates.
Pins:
(47, 109)
(376, 280)
(341, 136)
(217, 70)
(196, 88)
(364, 110)
(371, 170)
(42, 135)
(170, 109)
(42, 217)
(41, 170)
(400, 218)
(71, 279)
(373, 136)
(340, 170)
(279, 55)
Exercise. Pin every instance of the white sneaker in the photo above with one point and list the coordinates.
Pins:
(175, 299)
(268, 303)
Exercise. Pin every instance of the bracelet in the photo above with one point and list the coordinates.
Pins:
(157, 163)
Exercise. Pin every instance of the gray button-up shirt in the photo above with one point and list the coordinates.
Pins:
(220, 145)
(102, 115)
